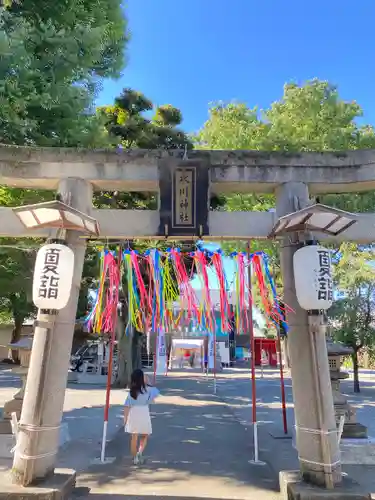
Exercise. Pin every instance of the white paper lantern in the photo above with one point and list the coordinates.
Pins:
(313, 277)
(53, 276)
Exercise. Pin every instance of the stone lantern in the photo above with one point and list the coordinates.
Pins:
(352, 429)
(15, 404)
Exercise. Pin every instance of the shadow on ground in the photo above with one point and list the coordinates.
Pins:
(101, 496)
(196, 440)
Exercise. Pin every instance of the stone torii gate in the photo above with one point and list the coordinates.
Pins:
(76, 174)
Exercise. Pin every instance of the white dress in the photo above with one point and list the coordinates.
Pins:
(139, 420)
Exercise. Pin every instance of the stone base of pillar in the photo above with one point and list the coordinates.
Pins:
(7, 439)
(352, 428)
(5, 425)
(354, 431)
(293, 488)
(59, 486)
(12, 406)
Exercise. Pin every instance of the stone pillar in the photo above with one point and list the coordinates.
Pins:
(49, 363)
(313, 404)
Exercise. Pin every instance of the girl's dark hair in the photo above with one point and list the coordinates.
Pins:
(137, 383)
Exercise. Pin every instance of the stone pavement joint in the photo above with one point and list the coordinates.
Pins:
(57, 487)
(198, 450)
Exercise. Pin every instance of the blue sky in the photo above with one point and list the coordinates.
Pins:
(191, 53)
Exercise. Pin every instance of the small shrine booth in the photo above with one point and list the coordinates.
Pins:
(265, 352)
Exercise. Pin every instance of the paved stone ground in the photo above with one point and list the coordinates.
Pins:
(198, 450)
(279, 453)
(364, 402)
(83, 413)
(185, 405)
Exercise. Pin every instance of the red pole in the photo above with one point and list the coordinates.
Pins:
(109, 374)
(282, 383)
(252, 339)
(111, 349)
(110, 366)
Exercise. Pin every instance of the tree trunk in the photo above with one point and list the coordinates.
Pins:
(137, 350)
(355, 372)
(124, 354)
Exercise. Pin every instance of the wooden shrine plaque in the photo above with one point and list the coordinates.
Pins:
(184, 200)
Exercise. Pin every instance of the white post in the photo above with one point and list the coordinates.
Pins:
(256, 460)
(104, 441)
(256, 448)
(14, 424)
(341, 428)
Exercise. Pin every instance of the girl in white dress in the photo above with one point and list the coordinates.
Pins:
(137, 414)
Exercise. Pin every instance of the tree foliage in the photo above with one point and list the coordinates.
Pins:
(17, 262)
(134, 122)
(353, 313)
(16, 265)
(308, 117)
(127, 123)
(53, 56)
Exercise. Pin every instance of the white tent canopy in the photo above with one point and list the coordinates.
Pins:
(187, 343)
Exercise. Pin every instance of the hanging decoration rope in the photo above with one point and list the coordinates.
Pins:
(161, 295)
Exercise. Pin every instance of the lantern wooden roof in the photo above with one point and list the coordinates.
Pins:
(318, 218)
(56, 214)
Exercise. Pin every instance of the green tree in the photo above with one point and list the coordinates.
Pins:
(313, 117)
(129, 339)
(53, 56)
(16, 264)
(232, 126)
(134, 122)
(308, 117)
(352, 316)
(127, 123)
